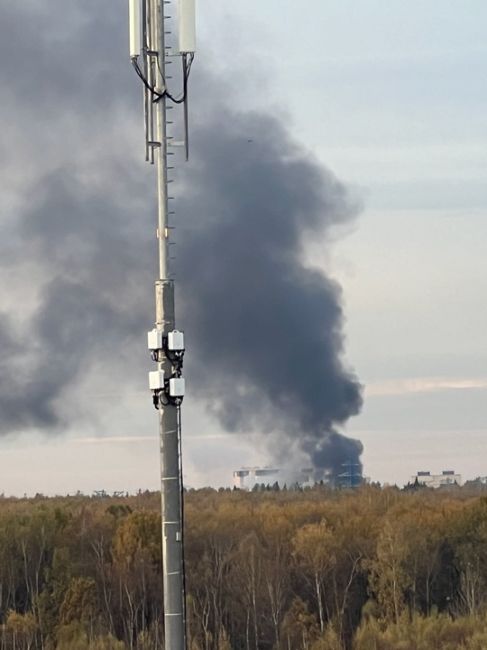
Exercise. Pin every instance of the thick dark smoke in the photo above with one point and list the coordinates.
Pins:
(92, 302)
(79, 231)
(264, 330)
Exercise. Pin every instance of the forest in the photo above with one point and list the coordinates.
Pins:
(315, 569)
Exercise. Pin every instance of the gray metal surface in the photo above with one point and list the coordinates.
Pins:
(172, 542)
(169, 430)
(166, 383)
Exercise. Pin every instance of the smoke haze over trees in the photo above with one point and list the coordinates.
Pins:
(264, 330)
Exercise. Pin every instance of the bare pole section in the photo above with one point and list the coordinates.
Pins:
(168, 409)
(159, 62)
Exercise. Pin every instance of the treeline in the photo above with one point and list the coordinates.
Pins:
(372, 569)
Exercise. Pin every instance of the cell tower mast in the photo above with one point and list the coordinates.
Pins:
(151, 56)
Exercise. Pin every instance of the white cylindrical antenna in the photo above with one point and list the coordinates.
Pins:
(134, 28)
(187, 26)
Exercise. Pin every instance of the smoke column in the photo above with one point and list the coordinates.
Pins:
(77, 255)
(266, 330)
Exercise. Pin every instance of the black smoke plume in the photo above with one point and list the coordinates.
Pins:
(264, 330)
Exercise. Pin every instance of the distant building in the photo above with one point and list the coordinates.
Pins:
(350, 477)
(477, 482)
(446, 478)
(482, 480)
(246, 477)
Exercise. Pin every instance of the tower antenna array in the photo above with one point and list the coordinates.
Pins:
(150, 57)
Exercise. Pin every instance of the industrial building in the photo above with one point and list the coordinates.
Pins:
(447, 478)
(246, 477)
(351, 477)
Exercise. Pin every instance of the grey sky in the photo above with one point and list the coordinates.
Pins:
(387, 95)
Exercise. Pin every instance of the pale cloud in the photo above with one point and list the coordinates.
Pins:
(422, 385)
(122, 440)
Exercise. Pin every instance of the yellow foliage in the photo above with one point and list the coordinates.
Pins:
(440, 632)
(74, 637)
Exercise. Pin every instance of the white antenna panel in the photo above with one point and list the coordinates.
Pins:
(134, 28)
(187, 26)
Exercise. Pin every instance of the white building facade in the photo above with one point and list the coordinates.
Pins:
(246, 477)
(447, 478)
